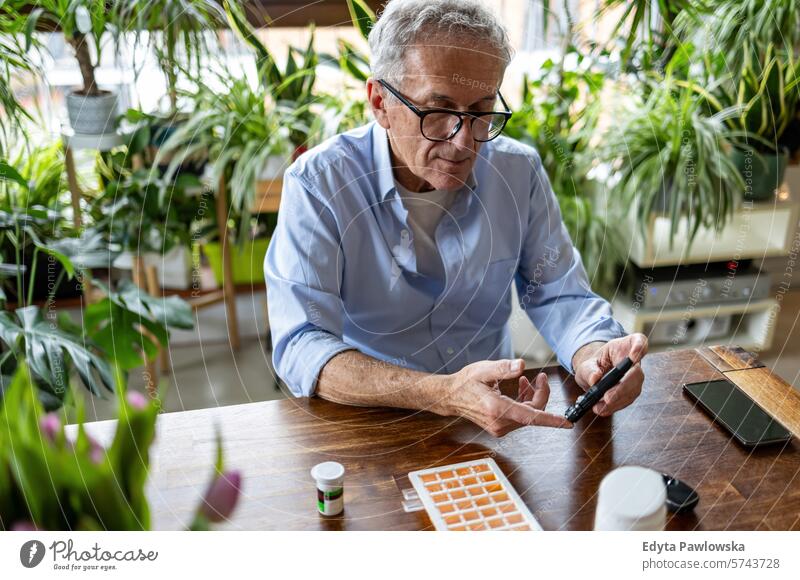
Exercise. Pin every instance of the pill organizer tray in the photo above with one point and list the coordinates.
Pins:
(474, 495)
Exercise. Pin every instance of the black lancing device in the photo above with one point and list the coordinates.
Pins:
(588, 400)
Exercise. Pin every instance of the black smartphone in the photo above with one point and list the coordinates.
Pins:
(737, 412)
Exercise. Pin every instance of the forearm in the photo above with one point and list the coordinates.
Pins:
(353, 378)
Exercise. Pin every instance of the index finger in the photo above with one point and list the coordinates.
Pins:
(527, 415)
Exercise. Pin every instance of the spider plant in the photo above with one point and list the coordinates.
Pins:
(180, 32)
(731, 28)
(672, 157)
(290, 88)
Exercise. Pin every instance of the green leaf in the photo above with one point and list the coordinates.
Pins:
(362, 16)
(9, 173)
(52, 352)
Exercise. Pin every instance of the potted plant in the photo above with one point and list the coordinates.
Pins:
(185, 28)
(671, 157)
(558, 115)
(91, 110)
(247, 138)
(290, 89)
(754, 67)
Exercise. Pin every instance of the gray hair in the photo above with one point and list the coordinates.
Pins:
(405, 22)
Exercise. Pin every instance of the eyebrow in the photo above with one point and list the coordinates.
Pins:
(440, 97)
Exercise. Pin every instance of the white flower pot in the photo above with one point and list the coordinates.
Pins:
(95, 115)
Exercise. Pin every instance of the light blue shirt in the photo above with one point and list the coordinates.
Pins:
(341, 270)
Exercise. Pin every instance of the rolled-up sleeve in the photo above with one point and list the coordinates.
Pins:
(552, 283)
(303, 273)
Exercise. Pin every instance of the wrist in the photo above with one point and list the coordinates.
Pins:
(435, 394)
(584, 353)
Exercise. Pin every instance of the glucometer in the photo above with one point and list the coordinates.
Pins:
(588, 400)
(680, 496)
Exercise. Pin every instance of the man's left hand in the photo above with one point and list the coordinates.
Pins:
(595, 359)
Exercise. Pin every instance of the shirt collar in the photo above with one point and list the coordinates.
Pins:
(383, 163)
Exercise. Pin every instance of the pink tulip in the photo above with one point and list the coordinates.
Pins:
(137, 400)
(50, 426)
(96, 451)
(221, 497)
(24, 526)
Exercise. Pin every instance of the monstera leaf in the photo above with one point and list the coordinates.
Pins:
(131, 326)
(52, 352)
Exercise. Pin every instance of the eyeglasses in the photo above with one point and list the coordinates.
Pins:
(443, 124)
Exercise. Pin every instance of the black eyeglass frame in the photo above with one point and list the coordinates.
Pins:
(422, 113)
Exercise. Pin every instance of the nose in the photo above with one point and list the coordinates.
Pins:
(464, 139)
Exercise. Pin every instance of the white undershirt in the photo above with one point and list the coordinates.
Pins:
(425, 211)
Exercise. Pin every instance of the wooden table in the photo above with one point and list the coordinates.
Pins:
(557, 472)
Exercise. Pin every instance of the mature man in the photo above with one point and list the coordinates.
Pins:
(389, 275)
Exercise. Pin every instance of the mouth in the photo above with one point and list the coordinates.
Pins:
(455, 163)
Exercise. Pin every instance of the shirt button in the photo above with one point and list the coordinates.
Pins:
(450, 350)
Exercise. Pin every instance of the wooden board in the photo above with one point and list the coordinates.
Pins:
(771, 393)
(729, 358)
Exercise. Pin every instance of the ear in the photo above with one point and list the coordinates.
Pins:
(377, 102)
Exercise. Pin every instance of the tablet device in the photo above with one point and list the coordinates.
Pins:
(736, 412)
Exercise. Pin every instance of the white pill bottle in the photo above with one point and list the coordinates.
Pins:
(330, 487)
(631, 498)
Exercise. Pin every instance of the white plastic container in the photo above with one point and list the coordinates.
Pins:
(631, 498)
(330, 487)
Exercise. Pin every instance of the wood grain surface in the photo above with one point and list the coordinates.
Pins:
(556, 472)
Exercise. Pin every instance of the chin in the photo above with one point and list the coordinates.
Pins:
(448, 181)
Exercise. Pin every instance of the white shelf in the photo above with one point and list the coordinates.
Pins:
(757, 230)
(752, 329)
(82, 141)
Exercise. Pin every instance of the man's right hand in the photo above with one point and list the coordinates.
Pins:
(473, 392)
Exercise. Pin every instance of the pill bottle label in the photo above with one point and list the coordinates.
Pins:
(330, 502)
